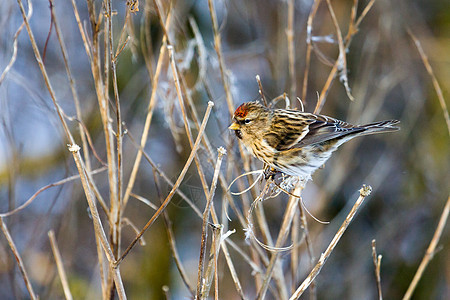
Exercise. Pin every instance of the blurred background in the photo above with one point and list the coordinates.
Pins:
(408, 170)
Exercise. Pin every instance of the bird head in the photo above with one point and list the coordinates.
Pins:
(249, 120)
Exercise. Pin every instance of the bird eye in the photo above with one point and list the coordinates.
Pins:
(246, 121)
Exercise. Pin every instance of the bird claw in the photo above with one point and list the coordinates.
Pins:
(270, 172)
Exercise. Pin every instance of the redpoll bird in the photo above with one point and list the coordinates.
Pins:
(293, 142)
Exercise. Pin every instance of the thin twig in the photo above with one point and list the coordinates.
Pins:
(84, 141)
(116, 207)
(175, 186)
(363, 193)
(342, 60)
(144, 200)
(59, 265)
(436, 85)
(166, 291)
(309, 28)
(377, 264)
(86, 182)
(261, 91)
(290, 33)
(148, 118)
(15, 40)
(312, 289)
(172, 242)
(208, 147)
(431, 250)
(216, 239)
(146, 40)
(181, 102)
(353, 29)
(295, 250)
(251, 263)
(126, 221)
(218, 48)
(282, 235)
(60, 182)
(206, 213)
(165, 177)
(18, 258)
(82, 31)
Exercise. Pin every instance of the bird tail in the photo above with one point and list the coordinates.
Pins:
(382, 126)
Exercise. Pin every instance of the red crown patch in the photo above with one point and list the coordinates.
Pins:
(241, 111)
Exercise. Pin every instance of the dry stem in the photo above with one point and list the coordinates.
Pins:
(60, 265)
(353, 29)
(312, 290)
(206, 213)
(431, 250)
(282, 236)
(377, 264)
(172, 242)
(175, 187)
(218, 47)
(363, 193)
(436, 85)
(148, 119)
(291, 50)
(74, 149)
(18, 258)
(311, 16)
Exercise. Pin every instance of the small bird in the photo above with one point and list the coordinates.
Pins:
(294, 142)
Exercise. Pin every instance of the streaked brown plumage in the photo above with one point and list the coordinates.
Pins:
(294, 142)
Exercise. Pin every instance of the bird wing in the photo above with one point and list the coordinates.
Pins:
(326, 128)
(292, 129)
(288, 128)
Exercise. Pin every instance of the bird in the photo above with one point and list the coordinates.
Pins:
(294, 142)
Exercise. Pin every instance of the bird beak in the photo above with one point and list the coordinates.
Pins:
(234, 126)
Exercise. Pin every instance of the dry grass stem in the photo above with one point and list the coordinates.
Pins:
(363, 193)
(18, 258)
(60, 265)
(353, 29)
(312, 259)
(216, 240)
(98, 227)
(206, 213)
(74, 149)
(211, 273)
(290, 34)
(436, 85)
(295, 233)
(261, 91)
(116, 174)
(84, 141)
(144, 200)
(282, 236)
(165, 177)
(431, 250)
(342, 60)
(377, 264)
(222, 67)
(16, 35)
(181, 102)
(149, 116)
(57, 183)
(172, 242)
(246, 258)
(175, 186)
(127, 221)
